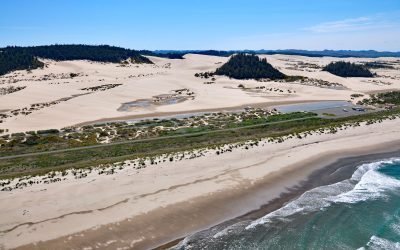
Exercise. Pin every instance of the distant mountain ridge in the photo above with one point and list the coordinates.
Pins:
(309, 53)
(335, 53)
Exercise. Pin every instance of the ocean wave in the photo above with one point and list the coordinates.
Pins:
(371, 184)
(364, 168)
(396, 228)
(226, 231)
(311, 200)
(366, 183)
(378, 243)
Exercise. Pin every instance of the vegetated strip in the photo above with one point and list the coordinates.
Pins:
(147, 139)
(92, 157)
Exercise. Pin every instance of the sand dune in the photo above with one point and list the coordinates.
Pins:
(145, 81)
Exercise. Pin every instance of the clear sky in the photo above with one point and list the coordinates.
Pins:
(204, 24)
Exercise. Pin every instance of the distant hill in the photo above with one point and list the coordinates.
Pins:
(309, 53)
(215, 53)
(171, 55)
(221, 53)
(16, 58)
(346, 69)
(332, 53)
(178, 54)
(247, 66)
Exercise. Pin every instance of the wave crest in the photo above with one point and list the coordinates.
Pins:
(366, 183)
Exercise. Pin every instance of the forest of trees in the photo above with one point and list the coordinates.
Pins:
(347, 69)
(246, 66)
(17, 58)
(100, 53)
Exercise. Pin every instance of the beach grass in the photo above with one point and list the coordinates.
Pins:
(189, 139)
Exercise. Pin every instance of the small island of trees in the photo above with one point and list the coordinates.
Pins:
(246, 66)
(347, 69)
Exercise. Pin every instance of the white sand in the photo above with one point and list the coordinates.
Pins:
(71, 206)
(160, 80)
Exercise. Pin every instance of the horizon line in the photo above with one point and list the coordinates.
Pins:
(209, 49)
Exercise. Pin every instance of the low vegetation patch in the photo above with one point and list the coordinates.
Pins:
(328, 114)
(356, 95)
(392, 97)
(10, 89)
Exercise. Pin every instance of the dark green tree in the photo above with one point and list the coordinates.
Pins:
(20, 58)
(246, 66)
(346, 69)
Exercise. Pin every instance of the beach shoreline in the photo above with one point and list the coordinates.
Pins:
(341, 169)
(248, 199)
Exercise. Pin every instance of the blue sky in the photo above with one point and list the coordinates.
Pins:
(204, 24)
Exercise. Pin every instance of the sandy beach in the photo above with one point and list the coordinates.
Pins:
(146, 208)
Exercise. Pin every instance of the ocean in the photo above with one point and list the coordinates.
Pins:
(361, 212)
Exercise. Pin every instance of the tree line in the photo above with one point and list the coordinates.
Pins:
(17, 58)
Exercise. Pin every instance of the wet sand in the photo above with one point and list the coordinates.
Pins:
(340, 170)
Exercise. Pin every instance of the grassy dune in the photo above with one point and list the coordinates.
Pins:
(190, 140)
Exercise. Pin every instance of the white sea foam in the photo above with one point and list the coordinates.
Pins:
(366, 183)
(230, 229)
(396, 228)
(364, 168)
(184, 244)
(371, 186)
(378, 243)
(311, 200)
